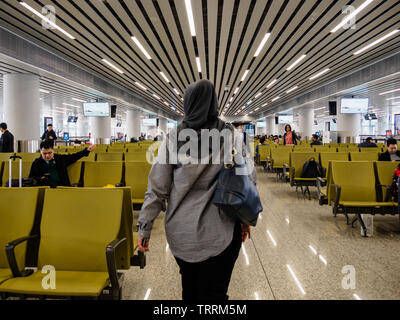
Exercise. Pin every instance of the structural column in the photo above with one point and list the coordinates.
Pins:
(348, 127)
(133, 127)
(306, 120)
(271, 126)
(100, 129)
(22, 110)
(162, 129)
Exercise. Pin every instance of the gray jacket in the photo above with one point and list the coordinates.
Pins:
(195, 228)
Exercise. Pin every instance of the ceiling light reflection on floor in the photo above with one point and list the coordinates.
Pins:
(245, 254)
(272, 239)
(295, 279)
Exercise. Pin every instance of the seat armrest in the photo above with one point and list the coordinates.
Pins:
(12, 261)
(118, 185)
(337, 198)
(320, 183)
(388, 188)
(112, 266)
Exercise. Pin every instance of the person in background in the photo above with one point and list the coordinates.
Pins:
(262, 142)
(290, 137)
(369, 143)
(7, 139)
(315, 141)
(204, 240)
(49, 134)
(392, 154)
(77, 142)
(141, 138)
(51, 169)
(276, 140)
(133, 139)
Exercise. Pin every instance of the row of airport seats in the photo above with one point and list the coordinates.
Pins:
(97, 174)
(107, 148)
(84, 236)
(358, 187)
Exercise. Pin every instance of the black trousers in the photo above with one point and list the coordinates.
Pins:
(209, 279)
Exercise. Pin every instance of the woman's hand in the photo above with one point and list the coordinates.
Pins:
(245, 232)
(143, 244)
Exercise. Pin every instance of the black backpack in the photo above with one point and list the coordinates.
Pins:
(311, 169)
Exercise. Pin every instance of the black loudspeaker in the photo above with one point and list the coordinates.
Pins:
(158, 122)
(332, 108)
(113, 111)
(276, 120)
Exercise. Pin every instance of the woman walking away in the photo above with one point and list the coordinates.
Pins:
(204, 241)
(290, 137)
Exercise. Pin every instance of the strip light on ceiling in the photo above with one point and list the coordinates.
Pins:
(274, 99)
(394, 98)
(351, 16)
(176, 91)
(156, 96)
(387, 92)
(83, 101)
(271, 83)
(319, 74)
(198, 64)
(261, 46)
(376, 42)
(112, 66)
(70, 105)
(189, 12)
(46, 20)
(258, 94)
(137, 42)
(291, 90)
(296, 62)
(44, 91)
(236, 91)
(164, 76)
(245, 75)
(140, 86)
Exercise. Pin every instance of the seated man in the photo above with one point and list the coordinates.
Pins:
(262, 142)
(51, 169)
(368, 143)
(392, 154)
(315, 141)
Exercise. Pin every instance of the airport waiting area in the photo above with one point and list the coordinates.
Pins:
(199, 150)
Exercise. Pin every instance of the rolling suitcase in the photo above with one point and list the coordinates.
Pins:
(13, 183)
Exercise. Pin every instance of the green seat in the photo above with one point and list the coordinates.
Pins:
(100, 174)
(18, 208)
(136, 176)
(74, 242)
(26, 169)
(107, 156)
(364, 156)
(384, 174)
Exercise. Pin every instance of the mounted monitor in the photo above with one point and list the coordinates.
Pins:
(354, 105)
(75, 119)
(285, 119)
(70, 119)
(96, 109)
(149, 122)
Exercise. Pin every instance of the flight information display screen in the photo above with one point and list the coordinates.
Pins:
(96, 109)
(354, 105)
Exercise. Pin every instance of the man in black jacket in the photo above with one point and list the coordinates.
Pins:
(7, 139)
(315, 141)
(392, 154)
(369, 143)
(49, 134)
(51, 169)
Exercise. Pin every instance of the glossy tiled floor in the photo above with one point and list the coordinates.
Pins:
(298, 251)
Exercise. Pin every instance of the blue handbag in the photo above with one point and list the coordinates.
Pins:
(237, 196)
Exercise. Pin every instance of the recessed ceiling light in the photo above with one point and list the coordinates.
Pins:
(387, 92)
(189, 12)
(112, 66)
(198, 64)
(164, 76)
(376, 42)
(70, 105)
(274, 99)
(231, 99)
(140, 86)
(351, 16)
(176, 91)
(44, 91)
(261, 46)
(46, 20)
(256, 109)
(136, 41)
(249, 102)
(264, 105)
(394, 98)
(166, 103)
(271, 83)
(245, 75)
(258, 94)
(156, 96)
(290, 90)
(296, 62)
(319, 74)
(236, 91)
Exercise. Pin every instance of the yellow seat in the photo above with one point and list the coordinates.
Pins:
(136, 176)
(28, 157)
(264, 151)
(141, 155)
(385, 172)
(74, 173)
(107, 156)
(364, 156)
(18, 209)
(326, 157)
(376, 150)
(296, 163)
(74, 242)
(100, 174)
